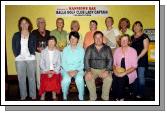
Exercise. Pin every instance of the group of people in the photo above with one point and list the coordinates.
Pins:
(50, 59)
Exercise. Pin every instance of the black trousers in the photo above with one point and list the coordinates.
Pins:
(118, 86)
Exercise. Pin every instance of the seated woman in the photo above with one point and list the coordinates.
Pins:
(50, 69)
(73, 64)
(124, 67)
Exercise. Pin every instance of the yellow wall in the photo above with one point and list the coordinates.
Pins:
(146, 14)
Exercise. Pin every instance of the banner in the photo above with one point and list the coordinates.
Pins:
(81, 11)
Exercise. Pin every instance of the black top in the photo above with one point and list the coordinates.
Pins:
(41, 41)
(98, 59)
(124, 77)
(123, 62)
(16, 46)
(138, 45)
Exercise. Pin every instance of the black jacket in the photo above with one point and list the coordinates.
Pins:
(16, 44)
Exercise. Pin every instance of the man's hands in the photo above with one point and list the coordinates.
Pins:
(88, 75)
(104, 74)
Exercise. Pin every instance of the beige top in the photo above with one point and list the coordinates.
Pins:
(111, 35)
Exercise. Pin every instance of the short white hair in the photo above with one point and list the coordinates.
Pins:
(38, 19)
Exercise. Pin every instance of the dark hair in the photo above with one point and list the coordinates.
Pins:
(97, 32)
(137, 22)
(52, 38)
(124, 35)
(110, 18)
(124, 19)
(30, 27)
(93, 21)
(75, 34)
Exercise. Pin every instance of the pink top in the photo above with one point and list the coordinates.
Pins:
(130, 61)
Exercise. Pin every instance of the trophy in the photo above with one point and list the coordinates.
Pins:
(42, 45)
(61, 45)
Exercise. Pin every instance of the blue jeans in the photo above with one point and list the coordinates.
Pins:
(141, 81)
(26, 69)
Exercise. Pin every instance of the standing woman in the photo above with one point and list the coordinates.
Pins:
(112, 34)
(140, 42)
(75, 27)
(88, 40)
(42, 36)
(124, 27)
(23, 45)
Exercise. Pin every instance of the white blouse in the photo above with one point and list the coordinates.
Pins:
(24, 53)
(51, 54)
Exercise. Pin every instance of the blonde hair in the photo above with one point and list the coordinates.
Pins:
(75, 22)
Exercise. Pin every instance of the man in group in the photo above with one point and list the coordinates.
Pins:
(98, 63)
